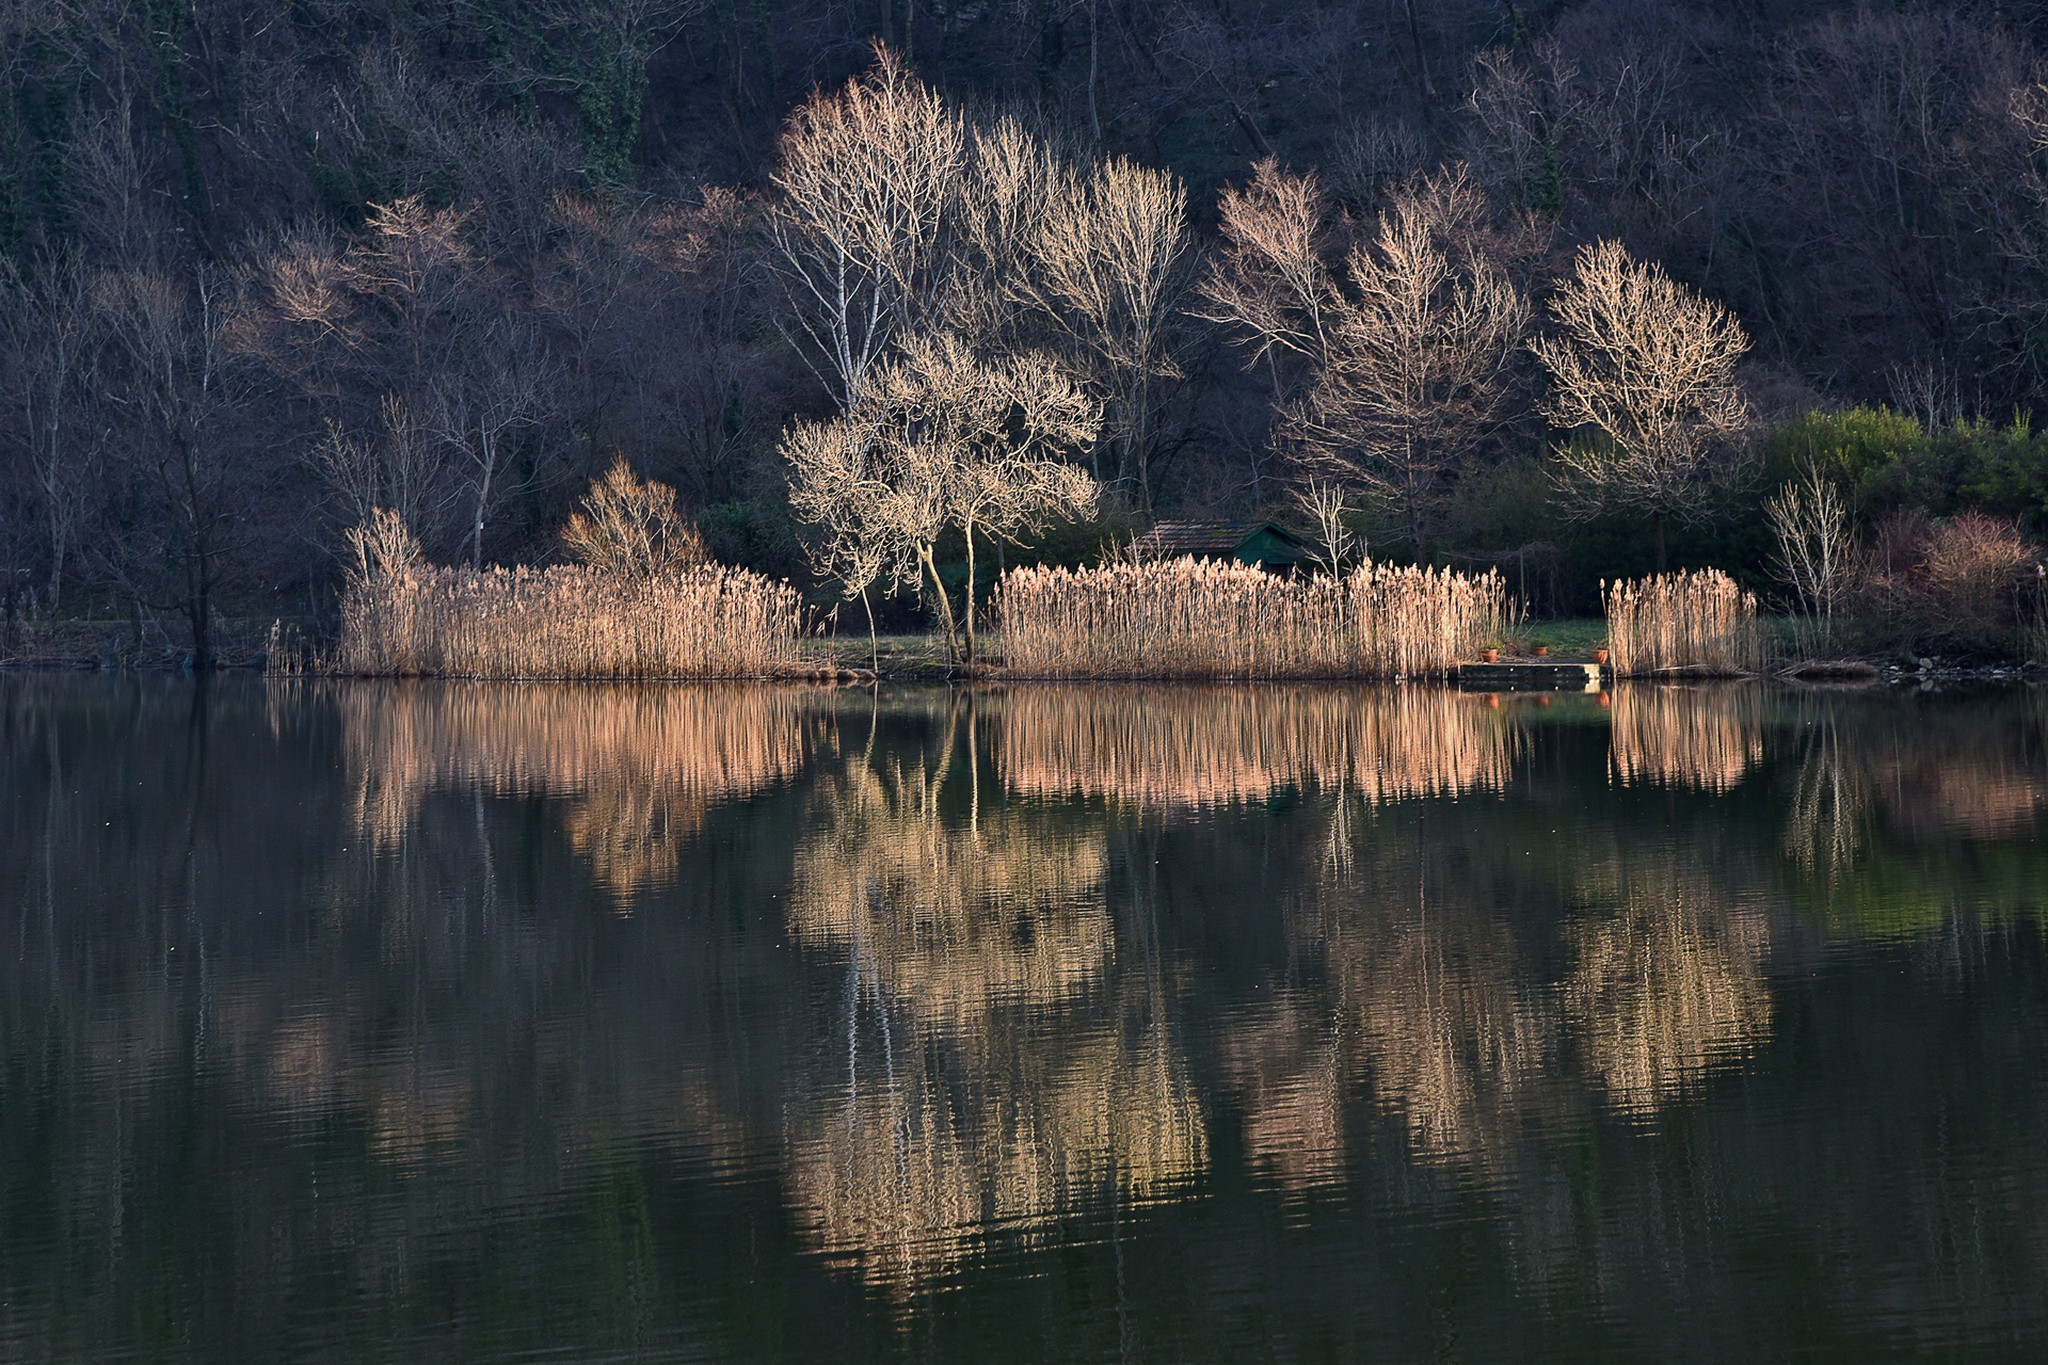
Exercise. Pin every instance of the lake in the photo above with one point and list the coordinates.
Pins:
(415, 1021)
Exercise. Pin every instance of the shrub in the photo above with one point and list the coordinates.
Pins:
(628, 529)
(1852, 448)
(1194, 619)
(1698, 621)
(1965, 583)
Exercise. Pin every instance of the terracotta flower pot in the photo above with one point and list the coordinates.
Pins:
(1541, 651)
(1600, 657)
(1491, 656)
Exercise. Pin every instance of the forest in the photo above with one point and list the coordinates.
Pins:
(1393, 273)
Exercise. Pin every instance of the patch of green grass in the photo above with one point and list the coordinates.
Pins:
(1567, 639)
(902, 656)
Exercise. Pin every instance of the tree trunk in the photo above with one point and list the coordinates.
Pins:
(1421, 60)
(57, 548)
(924, 555)
(1657, 523)
(874, 644)
(200, 610)
(1094, 64)
(483, 498)
(970, 596)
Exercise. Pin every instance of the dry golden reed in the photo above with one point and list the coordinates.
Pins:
(1182, 749)
(1193, 619)
(403, 617)
(1696, 621)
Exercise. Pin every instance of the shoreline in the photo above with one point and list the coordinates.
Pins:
(1848, 673)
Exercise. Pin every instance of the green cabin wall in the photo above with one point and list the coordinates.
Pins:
(1265, 547)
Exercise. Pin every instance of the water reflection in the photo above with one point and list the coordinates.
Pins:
(1107, 1019)
(1927, 774)
(638, 767)
(1665, 989)
(1004, 1064)
(1469, 1032)
(1191, 748)
(1707, 738)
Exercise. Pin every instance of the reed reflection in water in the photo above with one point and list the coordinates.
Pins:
(638, 767)
(1005, 1066)
(1703, 738)
(1195, 747)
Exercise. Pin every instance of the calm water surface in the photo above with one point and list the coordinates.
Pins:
(416, 1022)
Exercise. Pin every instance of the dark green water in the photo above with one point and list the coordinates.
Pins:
(422, 1022)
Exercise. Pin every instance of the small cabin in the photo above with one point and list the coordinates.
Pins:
(1248, 542)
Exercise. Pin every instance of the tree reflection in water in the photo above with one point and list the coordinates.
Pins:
(1666, 988)
(1008, 1058)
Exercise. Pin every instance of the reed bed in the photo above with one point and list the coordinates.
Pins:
(1698, 621)
(1188, 750)
(1706, 739)
(1193, 619)
(412, 619)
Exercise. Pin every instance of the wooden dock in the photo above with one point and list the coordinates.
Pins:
(1532, 675)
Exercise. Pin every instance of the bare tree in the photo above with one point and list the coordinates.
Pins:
(179, 397)
(49, 352)
(1649, 367)
(1419, 371)
(868, 183)
(376, 338)
(505, 386)
(396, 463)
(1402, 367)
(1325, 504)
(1112, 257)
(1269, 279)
(897, 217)
(942, 441)
(630, 528)
(1816, 549)
(843, 494)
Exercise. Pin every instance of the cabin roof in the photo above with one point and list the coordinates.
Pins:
(1171, 539)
